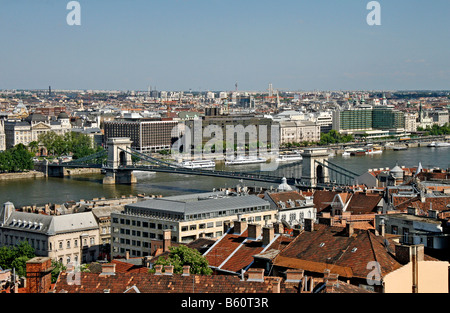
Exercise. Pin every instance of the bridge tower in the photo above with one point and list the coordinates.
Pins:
(313, 170)
(117, 159)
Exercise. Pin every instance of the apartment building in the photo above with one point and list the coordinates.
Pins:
(2, 136)
(188, 217)
(147, 135)
(64, 238)
(299, 131)
(29, 129)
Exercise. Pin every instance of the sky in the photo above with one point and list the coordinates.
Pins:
(212, 44)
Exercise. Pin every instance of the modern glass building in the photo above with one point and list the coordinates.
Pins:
(368, 118)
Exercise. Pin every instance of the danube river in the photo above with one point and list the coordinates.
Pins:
(59, 190)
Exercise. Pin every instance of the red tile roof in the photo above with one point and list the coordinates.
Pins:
(152, 283)
(329, 247)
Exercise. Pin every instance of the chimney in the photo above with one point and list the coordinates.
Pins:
(108, 269)
(279, 228)
(166, 239)
(39, 274)
(404, 253)
(168, 270)
(309, 224)
(186, 270)
(432, 213)
(268, 235)
(294, 276)
(127, 255)
(331, 281)
(158, 269)
(349, 228)
(239, 226)
(255, 274)
(254, 231)
(382, 228)
(296, 231)
(276, 282)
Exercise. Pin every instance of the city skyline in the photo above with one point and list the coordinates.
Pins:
(204, 45)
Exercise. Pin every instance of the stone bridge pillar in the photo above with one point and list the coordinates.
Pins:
(118, 160)
(312, 172)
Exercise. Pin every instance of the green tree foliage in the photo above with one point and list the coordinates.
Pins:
(436, 130)
(16, 257)
(182, 255)
(333, 136)
(16, 159)
(79, 145)
(57, 268)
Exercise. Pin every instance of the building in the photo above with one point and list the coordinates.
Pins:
(2, 136)
(29, 129)
(367, 118)
(188, 217)
(352, 255)
(416, 229)
(63, 238)
(410, 122)
(243, 129)
(299, 131)
(147, 135)
(292, 207)
(233, 253)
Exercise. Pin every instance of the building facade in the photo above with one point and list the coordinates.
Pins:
(29, 129)
(299, 131)
(188, 217)
(2, 136)
(366, 118)
(147, 136)
(64, 238)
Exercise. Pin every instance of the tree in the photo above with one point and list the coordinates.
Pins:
(57, 268)
(182, 255)
(16, 257)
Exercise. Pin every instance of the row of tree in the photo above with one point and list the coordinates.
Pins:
(76, 144)
(436, 130)
(16, 159)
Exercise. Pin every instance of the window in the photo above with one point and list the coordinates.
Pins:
(184, 228)
(145, 234)
(68, 244)
(394, 230)
(218, 224)
(152, 225)
(144, 224)
(92, 240)
(201, 226)
(192, 227)
(60, 245)
(210, 225)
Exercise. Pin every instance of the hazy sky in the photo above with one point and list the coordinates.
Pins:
(212, 44)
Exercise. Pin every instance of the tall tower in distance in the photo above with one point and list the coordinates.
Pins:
(49, 91)
(270, 91)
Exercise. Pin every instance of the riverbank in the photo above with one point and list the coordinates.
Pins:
(23, 175)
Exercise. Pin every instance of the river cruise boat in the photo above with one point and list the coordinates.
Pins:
(245, 160)
(198, 164)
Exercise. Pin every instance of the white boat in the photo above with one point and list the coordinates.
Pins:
(373, 151)
(243, 160)
(431, 145)
(442, 144)
(289, 157)
(198, 164)
(346, 153)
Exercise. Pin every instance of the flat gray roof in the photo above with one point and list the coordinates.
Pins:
(192, 206)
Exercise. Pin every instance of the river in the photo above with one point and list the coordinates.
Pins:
(59, 190)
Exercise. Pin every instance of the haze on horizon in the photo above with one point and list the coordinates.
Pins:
(212, 44)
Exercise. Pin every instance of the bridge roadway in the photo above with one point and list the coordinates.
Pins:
(187, 171)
